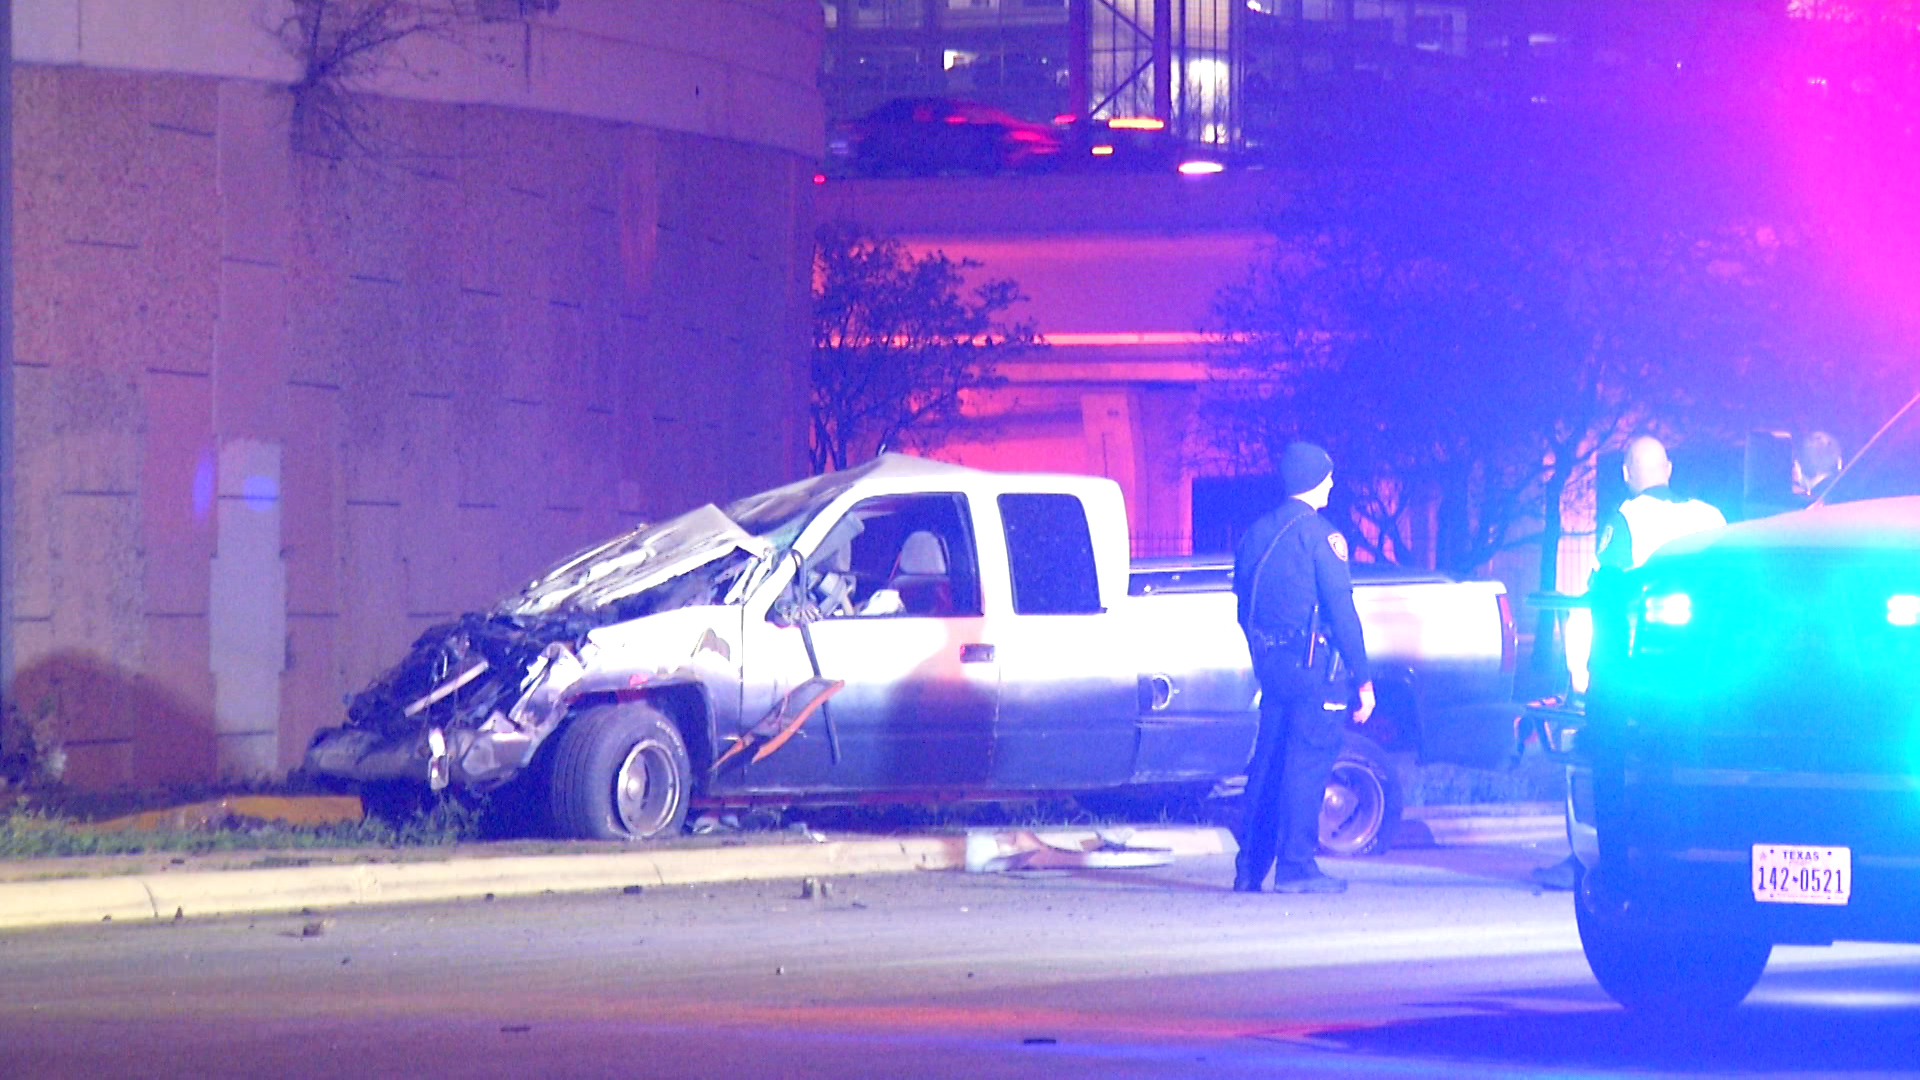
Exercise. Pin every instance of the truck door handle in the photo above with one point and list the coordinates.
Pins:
(976, 654)
(1156, 692)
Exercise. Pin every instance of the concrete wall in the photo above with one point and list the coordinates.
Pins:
(276, 413)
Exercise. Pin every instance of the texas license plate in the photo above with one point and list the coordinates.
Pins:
(1793, 874)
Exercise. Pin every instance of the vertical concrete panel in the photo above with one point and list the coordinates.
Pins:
(40, 166)
(311, 503)
(172, 739)
(247, 609)
(178, 294)
(87, 679)
(312, 686)
(374, 378)
(1164, 518)
(176, 489)
(250, 366)
(427, 507)
(374, 628)
(255, 179)
(321, 328)
(312, 517)
(36, 479)
(1107, 417)
(479, 558)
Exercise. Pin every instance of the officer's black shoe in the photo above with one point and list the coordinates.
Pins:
(1246, 884)
(1563, 876)
(1306, 879)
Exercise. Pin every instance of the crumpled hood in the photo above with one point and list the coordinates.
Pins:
(632, 563)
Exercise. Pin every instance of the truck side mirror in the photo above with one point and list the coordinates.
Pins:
(1767, 487)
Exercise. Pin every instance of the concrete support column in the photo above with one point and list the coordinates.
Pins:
(1107, 418)
(247, 611)
(247, 602)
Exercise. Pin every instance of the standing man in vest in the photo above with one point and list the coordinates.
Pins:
(1654, 514)
(1651, 517)
(1296, 606)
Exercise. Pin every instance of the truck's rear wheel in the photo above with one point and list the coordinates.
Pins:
(620, 772)
(1668, 971)
(1362, 805)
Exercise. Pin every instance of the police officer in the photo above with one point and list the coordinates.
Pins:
(1296, 606)
(1816, 461)
(1652, 517)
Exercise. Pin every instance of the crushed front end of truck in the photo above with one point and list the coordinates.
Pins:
(474, 699)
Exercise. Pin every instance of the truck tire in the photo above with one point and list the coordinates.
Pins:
(620, 772)
(1668, 972)
(1361, 810)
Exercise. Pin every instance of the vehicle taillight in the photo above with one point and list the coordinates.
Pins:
(1509, 642)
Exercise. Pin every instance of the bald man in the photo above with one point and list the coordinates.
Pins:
(1648, 520)
(1650, 517)
(1654, 515)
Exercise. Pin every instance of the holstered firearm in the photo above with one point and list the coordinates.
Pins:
(1336, 667)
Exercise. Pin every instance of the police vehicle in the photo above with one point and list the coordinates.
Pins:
(1753, 739)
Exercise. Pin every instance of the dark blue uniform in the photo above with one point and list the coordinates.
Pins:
(1289, 562)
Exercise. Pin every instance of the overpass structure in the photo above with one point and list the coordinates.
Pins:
(1121, 273)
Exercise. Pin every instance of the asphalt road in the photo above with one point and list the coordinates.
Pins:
(1435, 963)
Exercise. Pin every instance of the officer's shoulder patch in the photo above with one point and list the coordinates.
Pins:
(1339, 545)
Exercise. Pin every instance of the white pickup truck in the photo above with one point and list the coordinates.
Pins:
(903, 630)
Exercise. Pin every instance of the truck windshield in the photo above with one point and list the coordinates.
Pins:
(780, 515)
(1887, 467)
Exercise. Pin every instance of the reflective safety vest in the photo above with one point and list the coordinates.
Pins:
(1653, 521)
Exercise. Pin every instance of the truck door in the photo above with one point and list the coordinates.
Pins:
(1068, 700)
(897, 588)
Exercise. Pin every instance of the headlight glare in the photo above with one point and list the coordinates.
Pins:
(1903, 609)
(1672, 609)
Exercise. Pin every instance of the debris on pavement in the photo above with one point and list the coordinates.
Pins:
(1024, 849)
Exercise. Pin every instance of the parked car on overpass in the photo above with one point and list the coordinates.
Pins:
(925, 136)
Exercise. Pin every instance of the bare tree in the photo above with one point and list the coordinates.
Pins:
(897, 344)
(1479, 380)
(340, 43)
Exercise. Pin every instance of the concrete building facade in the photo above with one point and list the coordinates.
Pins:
(279, 410)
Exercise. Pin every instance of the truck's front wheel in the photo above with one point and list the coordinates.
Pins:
(620, 772)
(1652, 970)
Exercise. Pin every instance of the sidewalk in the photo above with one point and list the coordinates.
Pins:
(50, 892)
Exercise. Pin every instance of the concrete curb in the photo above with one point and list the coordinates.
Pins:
(160, 896)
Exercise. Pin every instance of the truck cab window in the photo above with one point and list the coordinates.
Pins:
(1051, 554)
(895, 555)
